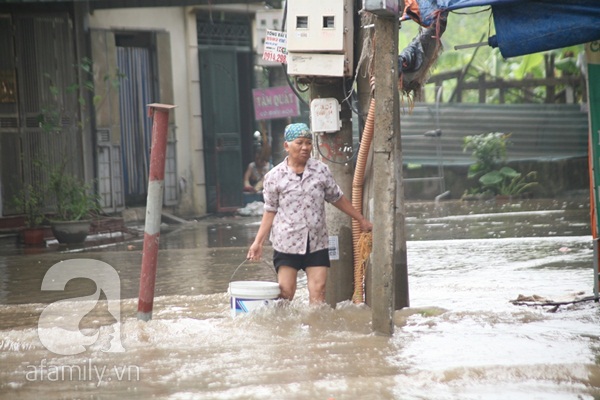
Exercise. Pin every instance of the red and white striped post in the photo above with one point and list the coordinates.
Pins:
(158, 152)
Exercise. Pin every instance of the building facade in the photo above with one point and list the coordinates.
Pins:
(95, 66)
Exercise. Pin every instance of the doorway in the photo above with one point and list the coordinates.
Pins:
(225, 59)
(135, 61)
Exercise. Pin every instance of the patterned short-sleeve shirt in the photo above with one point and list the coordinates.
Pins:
(299, 204)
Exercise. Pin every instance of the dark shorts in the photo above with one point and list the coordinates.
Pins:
(301, 261)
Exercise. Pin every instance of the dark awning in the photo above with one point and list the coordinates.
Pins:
(99, 4)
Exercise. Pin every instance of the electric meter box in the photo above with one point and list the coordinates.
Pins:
(319, 37)
(318, 25)
(325, 115)
(316, 64)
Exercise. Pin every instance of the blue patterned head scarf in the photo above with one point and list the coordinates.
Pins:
(299, 130)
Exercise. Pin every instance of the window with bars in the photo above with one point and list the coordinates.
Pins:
(224, 29)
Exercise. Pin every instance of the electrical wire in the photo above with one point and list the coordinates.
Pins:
(351, 93)
(350, 159)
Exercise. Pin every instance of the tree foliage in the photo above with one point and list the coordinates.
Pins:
(474, 25)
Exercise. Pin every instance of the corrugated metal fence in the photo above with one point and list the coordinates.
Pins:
(538, 131)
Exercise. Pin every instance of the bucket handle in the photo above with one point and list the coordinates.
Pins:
(245, 260)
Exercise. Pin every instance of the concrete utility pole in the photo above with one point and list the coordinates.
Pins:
(386, 175)
(401, 296)
(333, 146)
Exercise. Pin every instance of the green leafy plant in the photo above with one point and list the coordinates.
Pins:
(470, 28)
(55, 110)
(508, 182)
(30, 200)
(75, 199)
(488, 150)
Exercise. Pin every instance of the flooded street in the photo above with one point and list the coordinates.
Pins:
(462, 337)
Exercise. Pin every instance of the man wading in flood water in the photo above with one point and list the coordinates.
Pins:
(295, 192)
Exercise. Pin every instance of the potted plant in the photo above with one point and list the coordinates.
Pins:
(73, 200)
(30, 199)
(76, 205)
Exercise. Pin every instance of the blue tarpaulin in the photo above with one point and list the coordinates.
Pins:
(524, 26)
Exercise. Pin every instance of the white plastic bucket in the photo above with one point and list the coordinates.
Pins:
(250, 295)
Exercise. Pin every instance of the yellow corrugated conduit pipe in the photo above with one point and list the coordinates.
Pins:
(362, 241)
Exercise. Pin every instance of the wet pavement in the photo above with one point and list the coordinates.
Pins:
(203, 252)
(424, 221)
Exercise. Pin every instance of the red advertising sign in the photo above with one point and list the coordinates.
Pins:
(275, 102)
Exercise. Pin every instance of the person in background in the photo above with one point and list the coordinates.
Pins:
(295, 192)
(253, 177)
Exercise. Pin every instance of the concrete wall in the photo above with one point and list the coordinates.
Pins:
(556, 178)
(180, 23)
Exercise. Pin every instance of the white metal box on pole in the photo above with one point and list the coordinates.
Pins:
(319, 37)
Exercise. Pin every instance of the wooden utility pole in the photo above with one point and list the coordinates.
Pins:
(385, 173)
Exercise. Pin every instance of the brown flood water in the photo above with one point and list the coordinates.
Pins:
(461, 338)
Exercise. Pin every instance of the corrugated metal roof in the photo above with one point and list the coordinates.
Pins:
(538, 131)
